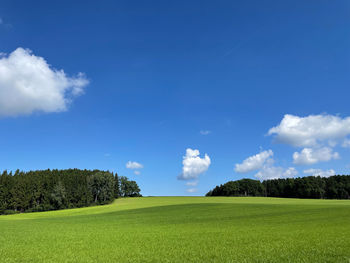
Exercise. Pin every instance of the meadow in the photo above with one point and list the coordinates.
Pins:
(183, 229)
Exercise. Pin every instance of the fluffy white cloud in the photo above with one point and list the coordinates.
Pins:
(193, 165)
(205, 132)
(133, 165)
(311, 130)
(273, 172)
(254, 162)
(310, 156)
(28, 84)
(319, 172)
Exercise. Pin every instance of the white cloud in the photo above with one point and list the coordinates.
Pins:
(310, 156)
(193, 165)
(319, 172)
(311, 130)
(28, 84)
(273, 172)
(254, 162)
(205, 132)
(191, 190)
(194, 183)
(133, 165)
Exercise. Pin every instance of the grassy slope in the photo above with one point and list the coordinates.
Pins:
(182, 229)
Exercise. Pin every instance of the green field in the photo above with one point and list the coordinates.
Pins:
(183, 229)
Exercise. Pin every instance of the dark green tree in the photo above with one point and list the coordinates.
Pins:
(117, 193)
(334, 187)
(102, 185)
(129, 188)
(57, 189)
(59, 196)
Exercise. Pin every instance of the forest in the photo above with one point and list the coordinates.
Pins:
(314, 187)
(45, 190)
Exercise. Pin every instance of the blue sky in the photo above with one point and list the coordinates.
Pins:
(161, 77)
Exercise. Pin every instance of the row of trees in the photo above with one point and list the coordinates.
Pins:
(334, 187)
(58, 189)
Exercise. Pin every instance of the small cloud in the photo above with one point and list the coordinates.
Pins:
(272, 172)
(254, 162)
(310, 156)
(205, 132)
(133, 165)
(194, 183)
(191, 190)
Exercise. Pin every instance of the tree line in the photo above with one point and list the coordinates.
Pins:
(315, 187)
(45, 190)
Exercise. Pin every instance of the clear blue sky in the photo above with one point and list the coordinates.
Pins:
(165, 76)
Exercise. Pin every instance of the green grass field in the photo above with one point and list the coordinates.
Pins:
(183, 229)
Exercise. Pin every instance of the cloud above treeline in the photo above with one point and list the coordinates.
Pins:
(29, 84)
(312, 130)
(272, 172)
(310, 156)
(263, 163)
(317, 136)
(254, 162)
(134, 166)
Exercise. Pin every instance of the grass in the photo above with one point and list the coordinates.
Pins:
(183, 229)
